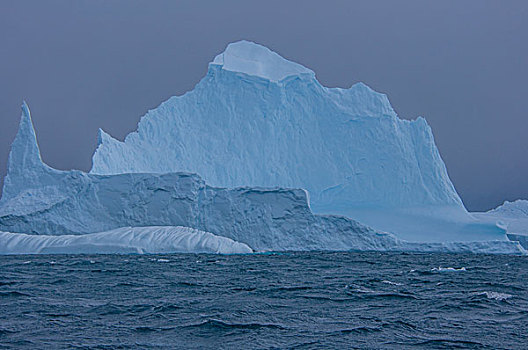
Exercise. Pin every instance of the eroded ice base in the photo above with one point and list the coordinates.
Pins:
(124, 240)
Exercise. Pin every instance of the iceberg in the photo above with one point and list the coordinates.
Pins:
(516, 210)
(46, 210)
(259, 120)
(124, 240)
(512, 217)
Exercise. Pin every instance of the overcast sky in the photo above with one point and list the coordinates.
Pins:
(462, 65)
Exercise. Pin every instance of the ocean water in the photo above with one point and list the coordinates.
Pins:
(291, 300)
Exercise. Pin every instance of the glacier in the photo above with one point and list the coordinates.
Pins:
(44, 210)
(124, 240)
(257, 119)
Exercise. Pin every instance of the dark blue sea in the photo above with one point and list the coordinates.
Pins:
(268, 301)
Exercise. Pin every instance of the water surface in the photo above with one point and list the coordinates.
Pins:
(290, 300)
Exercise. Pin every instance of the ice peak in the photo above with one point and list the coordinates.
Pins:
(24, 165)
(25, 151)
(25, 111)
(254, 59)
(102, 136)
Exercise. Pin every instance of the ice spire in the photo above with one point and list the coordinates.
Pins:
(24, 164)
(25, 152)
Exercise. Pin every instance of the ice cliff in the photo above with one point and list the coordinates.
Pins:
(257, 119)
(39, 203)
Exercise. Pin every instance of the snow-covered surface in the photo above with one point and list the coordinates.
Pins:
(240, 126)
(152, 240)
(253, 59)
(44, 201)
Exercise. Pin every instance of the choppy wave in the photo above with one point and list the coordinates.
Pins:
(222, 325)
(291, 300)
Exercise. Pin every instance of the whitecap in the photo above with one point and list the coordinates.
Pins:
(448, 269)
(392, 283)
(364, 290)
(496, 295)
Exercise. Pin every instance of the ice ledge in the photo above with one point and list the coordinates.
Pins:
(257, 60)
(124, 240)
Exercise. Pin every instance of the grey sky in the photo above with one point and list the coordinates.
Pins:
(82, 65)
